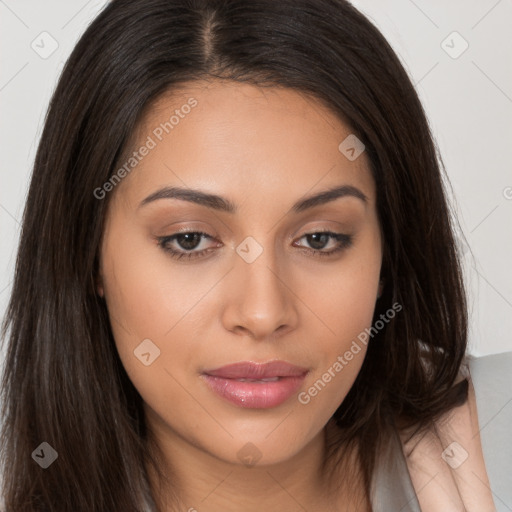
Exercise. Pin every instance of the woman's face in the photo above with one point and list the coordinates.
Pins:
(251, 288)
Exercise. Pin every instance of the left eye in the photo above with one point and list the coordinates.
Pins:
(189, 242)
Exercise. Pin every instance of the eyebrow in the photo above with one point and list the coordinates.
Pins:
(219, 203)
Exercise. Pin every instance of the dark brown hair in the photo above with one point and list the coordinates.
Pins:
(63, 381)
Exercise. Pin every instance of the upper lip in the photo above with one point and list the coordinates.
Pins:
(251, 370)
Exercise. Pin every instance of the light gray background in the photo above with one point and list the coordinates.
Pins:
(468, 99)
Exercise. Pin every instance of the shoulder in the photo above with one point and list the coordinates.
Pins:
(464, 458)
(493, 374)
(492, 380)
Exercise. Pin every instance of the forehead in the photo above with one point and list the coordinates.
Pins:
(245, 140)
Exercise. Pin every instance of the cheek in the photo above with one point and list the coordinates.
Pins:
(340, 354)
(345, 303)
(344, 299)
(154, 311)
(147, 295)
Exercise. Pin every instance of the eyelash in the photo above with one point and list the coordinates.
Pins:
(344, 242)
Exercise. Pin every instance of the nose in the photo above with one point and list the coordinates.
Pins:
(261, 303)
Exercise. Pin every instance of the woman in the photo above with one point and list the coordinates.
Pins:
(237, 285)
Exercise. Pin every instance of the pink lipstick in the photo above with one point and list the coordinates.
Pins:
(256, 385)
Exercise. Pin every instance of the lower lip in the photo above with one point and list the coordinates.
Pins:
(255, 395)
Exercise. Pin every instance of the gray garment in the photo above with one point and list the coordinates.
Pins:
(492, 380)
(392, 486)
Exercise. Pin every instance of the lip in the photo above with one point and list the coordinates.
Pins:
(256, 393)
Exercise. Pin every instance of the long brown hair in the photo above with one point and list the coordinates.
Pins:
(64, 383)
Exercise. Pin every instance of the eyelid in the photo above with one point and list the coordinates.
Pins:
(344, 242)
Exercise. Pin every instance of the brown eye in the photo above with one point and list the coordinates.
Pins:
(320, 239)
(188, 241)
(184, 245)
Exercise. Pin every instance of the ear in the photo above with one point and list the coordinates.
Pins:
(99, 285)
(381, 287)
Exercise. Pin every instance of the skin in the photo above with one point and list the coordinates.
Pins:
(263, 149)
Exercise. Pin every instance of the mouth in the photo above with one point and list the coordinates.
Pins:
(256, 385)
